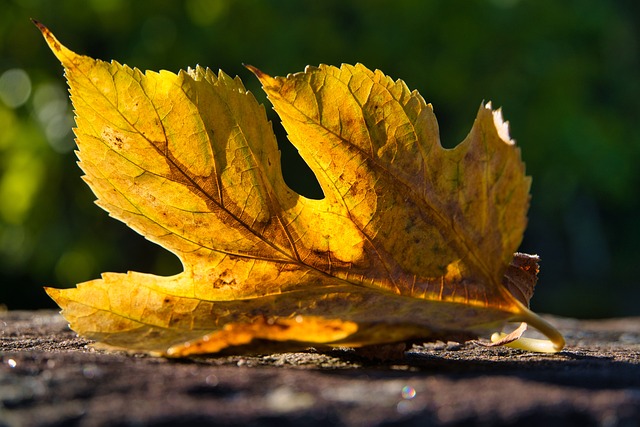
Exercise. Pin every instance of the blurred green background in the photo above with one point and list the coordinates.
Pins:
(567, 74)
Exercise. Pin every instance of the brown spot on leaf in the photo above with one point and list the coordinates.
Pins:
(226, 278)
(114, 139)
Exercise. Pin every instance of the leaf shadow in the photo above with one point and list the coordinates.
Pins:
(568, 368)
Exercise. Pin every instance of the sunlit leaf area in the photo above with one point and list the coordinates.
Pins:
(566, 74)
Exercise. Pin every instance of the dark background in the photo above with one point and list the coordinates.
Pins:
(567, 75)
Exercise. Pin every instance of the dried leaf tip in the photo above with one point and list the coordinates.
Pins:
(502, 126)
(64, 55)
(51, 40)
(259, 74)
(264, 78)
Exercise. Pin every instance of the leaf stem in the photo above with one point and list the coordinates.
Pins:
(553, 344)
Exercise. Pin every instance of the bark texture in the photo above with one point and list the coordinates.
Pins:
(50, 377)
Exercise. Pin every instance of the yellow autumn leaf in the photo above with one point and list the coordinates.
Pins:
(411, 242)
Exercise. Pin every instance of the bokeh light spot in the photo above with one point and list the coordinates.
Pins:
(51, 104)
(408, 392)
(15, 87)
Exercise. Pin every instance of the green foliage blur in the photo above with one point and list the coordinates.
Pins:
(566, 73)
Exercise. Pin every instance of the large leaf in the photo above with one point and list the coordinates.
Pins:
(410, 242)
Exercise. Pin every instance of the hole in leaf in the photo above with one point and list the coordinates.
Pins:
(297, 174)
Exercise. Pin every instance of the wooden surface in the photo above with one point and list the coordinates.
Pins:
(49, 377)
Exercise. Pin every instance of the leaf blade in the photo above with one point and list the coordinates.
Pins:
(190, 161)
